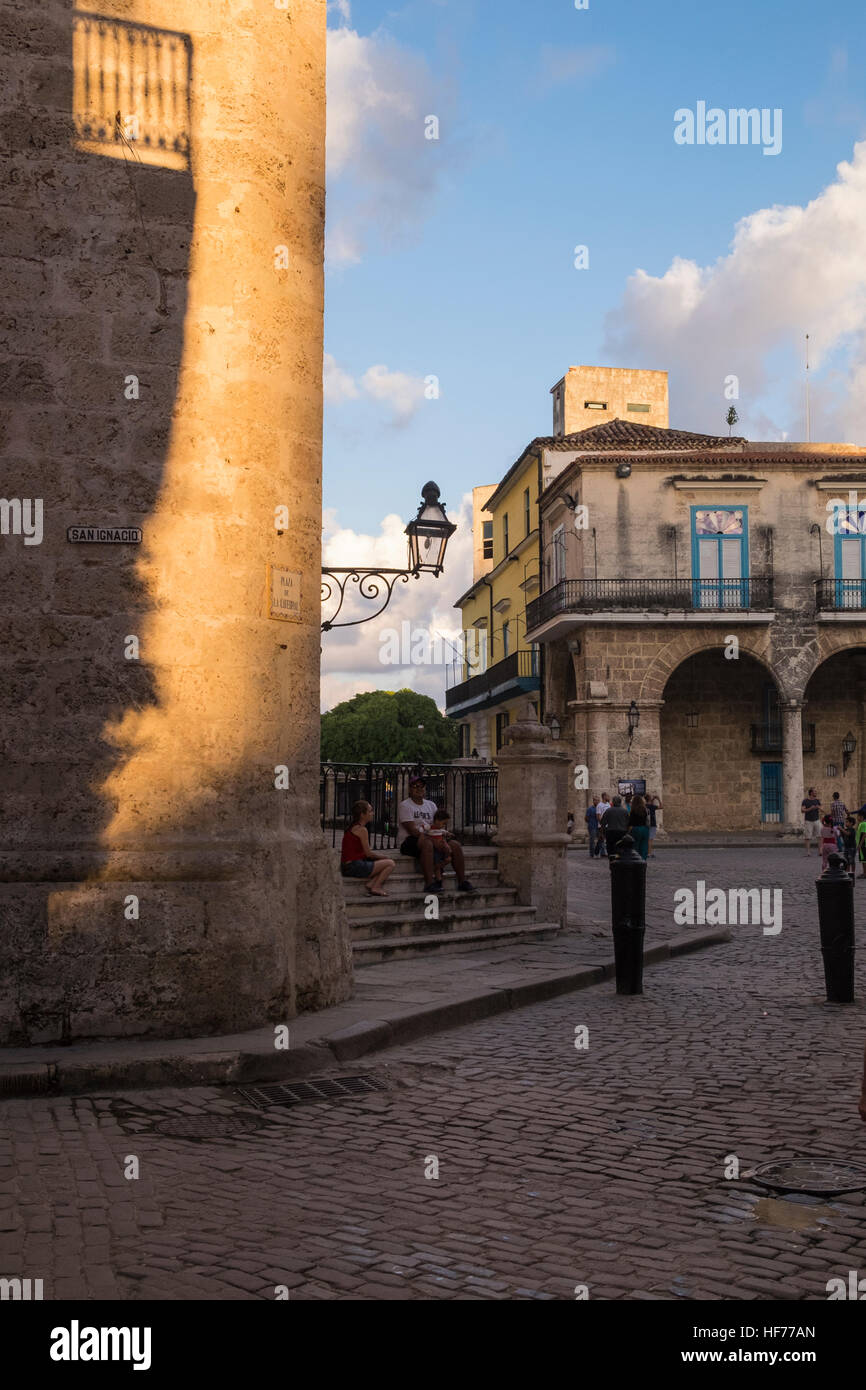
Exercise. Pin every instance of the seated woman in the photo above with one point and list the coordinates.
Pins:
(358, 860)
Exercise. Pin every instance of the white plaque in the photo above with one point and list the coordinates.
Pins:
(285, 593)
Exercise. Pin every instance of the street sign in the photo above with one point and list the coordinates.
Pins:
(284, 587)
(634, 786)
(104, 535)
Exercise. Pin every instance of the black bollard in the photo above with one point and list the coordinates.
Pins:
(836, 919)
(628, 914)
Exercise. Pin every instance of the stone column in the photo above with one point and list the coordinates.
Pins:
(649, 739)
(793, 790)
(479, 730)
(533, 809)
(162, 869)
(598, 751)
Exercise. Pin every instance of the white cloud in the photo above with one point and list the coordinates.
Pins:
(402, 393)
(790, 270)
(338, 385)
(351, 657)
(342, 8)
(382, 172)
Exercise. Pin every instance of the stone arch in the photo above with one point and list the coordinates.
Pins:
(831, 641)
(662, 666)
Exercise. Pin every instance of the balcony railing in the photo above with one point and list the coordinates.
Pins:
(840, 595)
(661, 595)
(520, 668)
(767, 738)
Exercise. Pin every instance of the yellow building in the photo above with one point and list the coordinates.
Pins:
(499, 669)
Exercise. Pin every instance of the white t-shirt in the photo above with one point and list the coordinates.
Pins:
(601, 808)
(420, 813)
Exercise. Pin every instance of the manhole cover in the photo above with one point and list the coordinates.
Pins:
(821, 1176)
(206, 1126)
(302, 1092)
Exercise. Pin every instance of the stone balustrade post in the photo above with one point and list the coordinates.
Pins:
(533, 808)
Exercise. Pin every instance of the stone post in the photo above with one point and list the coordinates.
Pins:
(792, 764)
(533, 808)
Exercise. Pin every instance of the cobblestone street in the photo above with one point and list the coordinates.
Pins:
(557, 1167)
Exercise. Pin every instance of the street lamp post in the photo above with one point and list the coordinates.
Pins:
(428, 533)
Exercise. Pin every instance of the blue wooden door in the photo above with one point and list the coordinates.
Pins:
(771, 791)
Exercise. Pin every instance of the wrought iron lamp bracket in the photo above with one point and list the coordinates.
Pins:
(370, 584)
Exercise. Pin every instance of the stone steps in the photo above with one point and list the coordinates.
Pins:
(415, 923)
(456, 942)
(396, 927)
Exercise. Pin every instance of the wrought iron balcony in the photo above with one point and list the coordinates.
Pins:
(513, 673)
(767, 738)
(840, 595)
(655, 595)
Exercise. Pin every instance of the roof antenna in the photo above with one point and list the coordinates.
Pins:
(808, 410)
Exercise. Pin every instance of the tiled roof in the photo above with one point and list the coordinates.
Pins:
(617, 436)
(625, 434)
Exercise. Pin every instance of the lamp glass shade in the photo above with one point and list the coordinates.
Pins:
(849, 743)
(429, 533)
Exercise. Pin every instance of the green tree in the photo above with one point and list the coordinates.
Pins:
(381, 726)
(732, 417)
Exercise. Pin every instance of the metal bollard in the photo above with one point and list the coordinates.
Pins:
(628, 914)
(836, 919)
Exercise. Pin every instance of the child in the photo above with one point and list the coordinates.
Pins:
(438, 833)
(861, 847)
(358, 860)
(829, 844)
(848, 836)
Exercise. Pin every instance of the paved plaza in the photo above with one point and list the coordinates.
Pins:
(560, 1168)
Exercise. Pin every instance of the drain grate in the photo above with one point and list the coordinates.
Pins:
(206, 1126)
(820, 1177)
(302, 1092)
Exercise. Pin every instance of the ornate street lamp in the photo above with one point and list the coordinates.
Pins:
(633, 721)
(849, 743)
(428, 533)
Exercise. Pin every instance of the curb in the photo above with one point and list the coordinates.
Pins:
(346, 1045)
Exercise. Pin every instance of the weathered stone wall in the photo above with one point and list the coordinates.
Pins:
(154, 778)
(618, 387)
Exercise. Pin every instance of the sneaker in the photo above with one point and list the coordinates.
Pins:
(435, 887)
(466, 886)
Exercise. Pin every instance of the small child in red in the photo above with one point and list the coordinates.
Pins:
(829, 842)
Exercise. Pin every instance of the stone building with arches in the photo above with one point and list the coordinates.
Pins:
(706, 631)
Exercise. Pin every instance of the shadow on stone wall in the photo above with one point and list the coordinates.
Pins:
(94, 249)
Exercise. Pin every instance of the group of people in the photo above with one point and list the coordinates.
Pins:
(426, 838)
(837, 831)
(608, 822)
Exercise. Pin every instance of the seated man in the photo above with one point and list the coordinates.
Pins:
(416, 815)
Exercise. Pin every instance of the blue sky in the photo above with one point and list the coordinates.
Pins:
(454, 257)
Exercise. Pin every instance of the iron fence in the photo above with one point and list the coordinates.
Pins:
(469, 795)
